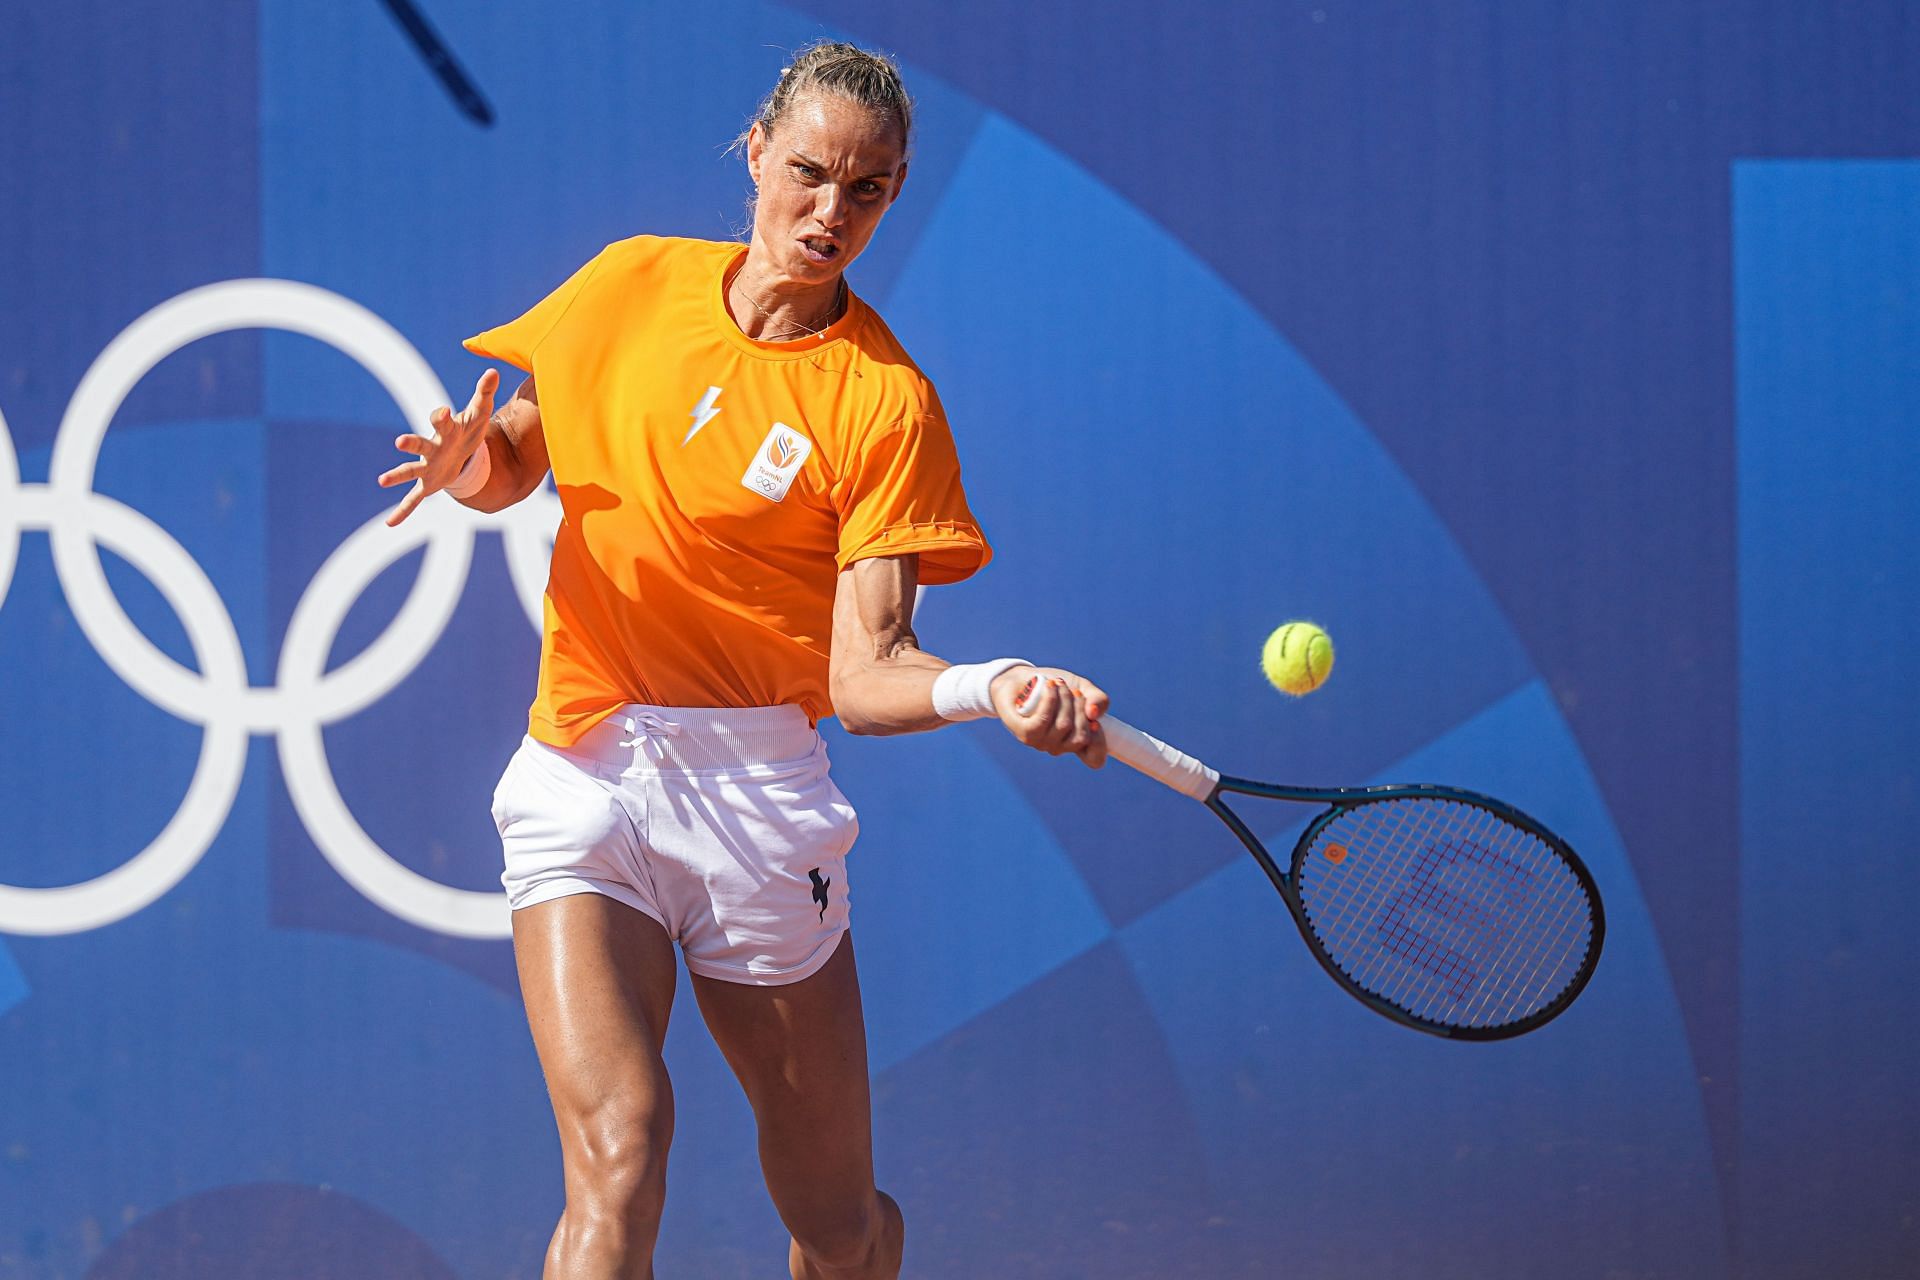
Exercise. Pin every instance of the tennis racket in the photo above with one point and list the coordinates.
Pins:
(1444, 910)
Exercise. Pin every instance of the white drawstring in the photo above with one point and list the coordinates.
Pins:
(649, 728)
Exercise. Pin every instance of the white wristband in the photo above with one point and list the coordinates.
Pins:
(965, 692)
(473, 477)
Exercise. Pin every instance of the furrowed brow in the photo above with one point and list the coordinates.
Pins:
(795, 157)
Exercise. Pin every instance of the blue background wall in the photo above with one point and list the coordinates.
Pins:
(1563, 360)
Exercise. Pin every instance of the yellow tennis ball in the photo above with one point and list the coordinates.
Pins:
(1297, 657)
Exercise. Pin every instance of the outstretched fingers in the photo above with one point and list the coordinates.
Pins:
(414, 498)
(401, 474)
(413, 473)
(481, 406)
(427, 449)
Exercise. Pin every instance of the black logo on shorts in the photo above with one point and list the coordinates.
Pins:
(820, 891)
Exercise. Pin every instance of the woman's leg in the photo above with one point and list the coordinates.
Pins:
(801, 1054)
(598, 977)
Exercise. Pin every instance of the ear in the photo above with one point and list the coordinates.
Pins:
(899, 181)
(756, 147)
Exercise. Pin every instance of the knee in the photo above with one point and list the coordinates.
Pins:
(618, 1164)
(853, 1239)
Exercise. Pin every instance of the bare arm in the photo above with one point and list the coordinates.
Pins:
(880, 680)
(882, 683)
(515, 444)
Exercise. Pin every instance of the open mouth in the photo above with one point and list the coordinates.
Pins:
(820, 249)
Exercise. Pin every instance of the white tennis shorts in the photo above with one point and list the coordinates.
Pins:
(720, 823)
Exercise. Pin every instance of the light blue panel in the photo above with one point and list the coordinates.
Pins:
(13, 983)
(1165, 480)
(1403, 1154)
(961, 896)
(1828, 312)
(1139, 440)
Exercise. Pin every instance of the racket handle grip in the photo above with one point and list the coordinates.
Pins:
(1143, 751)
(1162, 763)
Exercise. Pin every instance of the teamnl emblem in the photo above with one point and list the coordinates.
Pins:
(777, 461)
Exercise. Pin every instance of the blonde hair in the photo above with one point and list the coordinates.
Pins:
(867, 79)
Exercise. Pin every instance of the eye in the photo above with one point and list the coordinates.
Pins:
(867, 187)
(806, 171)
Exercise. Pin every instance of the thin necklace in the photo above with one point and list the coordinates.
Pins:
(833, 313)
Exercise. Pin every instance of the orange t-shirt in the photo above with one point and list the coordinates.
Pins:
(714, 486)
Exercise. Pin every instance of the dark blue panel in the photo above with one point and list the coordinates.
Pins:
(128, 134)
(89, 729)
(1035, 1141)
(193, 1046)
(271, 1232)
(13, 983)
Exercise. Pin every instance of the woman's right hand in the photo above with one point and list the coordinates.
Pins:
(455, 437)
(1061, 715)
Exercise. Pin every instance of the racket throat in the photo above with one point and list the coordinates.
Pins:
(1254, 847)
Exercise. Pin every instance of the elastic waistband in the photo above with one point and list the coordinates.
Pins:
(700, 739)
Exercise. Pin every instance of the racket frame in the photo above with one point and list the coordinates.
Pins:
(1197, 780)
(1339, 800)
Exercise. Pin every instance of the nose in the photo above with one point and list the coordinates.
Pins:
(831, 206)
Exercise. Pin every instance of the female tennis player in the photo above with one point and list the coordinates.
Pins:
(755, 478)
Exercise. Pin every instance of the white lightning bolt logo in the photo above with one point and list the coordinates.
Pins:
(702, 414)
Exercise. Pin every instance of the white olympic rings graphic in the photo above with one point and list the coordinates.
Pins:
(306, 697)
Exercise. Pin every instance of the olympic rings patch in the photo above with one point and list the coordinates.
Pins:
(305, 696)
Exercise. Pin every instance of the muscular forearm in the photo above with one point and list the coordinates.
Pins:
(888, 692)
(883, 684)
(880, 680)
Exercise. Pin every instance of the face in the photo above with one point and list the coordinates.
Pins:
(825, 177)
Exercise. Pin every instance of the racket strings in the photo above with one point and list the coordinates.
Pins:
(1445, 910)
(1527, 933)
(1529, 957)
